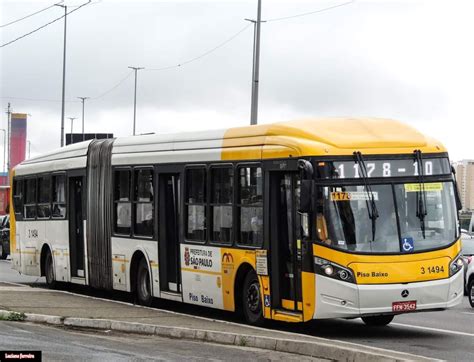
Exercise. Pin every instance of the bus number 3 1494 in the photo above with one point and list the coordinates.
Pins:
(32, 233)
(432, 269)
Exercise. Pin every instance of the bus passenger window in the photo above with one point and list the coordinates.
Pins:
(18, 198)
(143, 202)
(250, 207)
(30, 199)
(222, 182)
(59, 197)
(122, 210)
(196, 204)
(43, 209)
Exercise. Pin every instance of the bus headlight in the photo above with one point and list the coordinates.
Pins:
(455, 266)
(333, 270)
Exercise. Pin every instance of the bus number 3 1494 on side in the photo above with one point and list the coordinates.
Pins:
(32, 233)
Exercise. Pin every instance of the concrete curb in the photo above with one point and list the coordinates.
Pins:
(326, 349)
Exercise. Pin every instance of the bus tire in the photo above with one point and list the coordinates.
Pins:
(252, 300)
(470, 292)
(49, 271)
(144, 296)
(378, 320)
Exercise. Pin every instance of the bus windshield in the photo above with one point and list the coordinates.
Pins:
(398, 227)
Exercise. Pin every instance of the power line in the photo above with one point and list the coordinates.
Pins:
(115, 86)
(310, 12)
(186, 61)
(44, 26)
(203, 54)
(28, 16)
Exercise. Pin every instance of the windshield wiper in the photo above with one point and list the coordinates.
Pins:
(421, 211)
(371, 206)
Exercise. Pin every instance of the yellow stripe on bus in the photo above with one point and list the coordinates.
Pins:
(201, 271)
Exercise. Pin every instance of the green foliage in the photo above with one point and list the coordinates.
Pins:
(13, 316)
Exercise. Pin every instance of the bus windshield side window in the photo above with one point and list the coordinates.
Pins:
(222, 186)
(122, 209)
(196, 204)
(43, 209)
(18, 197)
(143, 202)
(59, 197)
(30, 198)
(250, 206)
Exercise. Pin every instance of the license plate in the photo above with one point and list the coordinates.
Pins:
(407, 306)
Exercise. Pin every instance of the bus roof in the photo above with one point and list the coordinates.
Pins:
(307, 137)
(334, 136)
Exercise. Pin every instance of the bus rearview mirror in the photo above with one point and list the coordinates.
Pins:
(306, 196)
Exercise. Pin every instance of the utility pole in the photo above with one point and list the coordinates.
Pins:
(83, 99)
(256, 64)
(64, 75)
(72, 124)
(135, 98)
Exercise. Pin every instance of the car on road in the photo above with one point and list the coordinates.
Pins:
(470, 283)
(467, 253)
(5, 237)
(468, 259)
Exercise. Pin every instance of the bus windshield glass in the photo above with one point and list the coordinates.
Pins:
(345, 220)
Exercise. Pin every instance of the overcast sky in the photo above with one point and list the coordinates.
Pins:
(408, 60)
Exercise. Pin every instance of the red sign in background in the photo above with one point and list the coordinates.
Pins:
(17, 138)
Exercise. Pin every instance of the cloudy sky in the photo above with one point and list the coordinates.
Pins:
(409, 60)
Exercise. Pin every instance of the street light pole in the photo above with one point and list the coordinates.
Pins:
(256, 65)
(135, 98)
(72, 123)
(64, 75)
(29, 148)
(83, 99)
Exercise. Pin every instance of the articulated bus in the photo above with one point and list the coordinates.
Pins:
(292, 221)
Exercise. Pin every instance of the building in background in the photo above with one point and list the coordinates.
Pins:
(465, 179)
(78, 137)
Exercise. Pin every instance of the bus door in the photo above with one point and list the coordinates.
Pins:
(285, 242)
(169, 198)
(76, 224)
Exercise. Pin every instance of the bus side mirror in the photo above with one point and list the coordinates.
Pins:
(456, 190)
(306, 196)
(306, 190)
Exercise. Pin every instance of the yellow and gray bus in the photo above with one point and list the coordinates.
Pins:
(293, 221)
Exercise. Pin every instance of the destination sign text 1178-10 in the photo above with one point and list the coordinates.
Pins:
(391, 168)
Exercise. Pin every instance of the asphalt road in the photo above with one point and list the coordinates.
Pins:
(61, 344)
(447, 335)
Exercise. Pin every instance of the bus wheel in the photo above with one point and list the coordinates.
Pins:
(49, 270)
(378, 321)
(252, 301)
(470, 293)
(143, 284)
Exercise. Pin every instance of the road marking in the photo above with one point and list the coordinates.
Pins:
(448, 331)
(467, 313)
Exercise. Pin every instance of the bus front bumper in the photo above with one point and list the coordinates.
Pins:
(337, 299)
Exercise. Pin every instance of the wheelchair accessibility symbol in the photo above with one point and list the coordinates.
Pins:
(407, 245)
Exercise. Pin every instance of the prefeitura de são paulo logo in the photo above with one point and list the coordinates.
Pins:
(186, 256)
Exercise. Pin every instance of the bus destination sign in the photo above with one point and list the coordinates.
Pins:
(391, 168)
